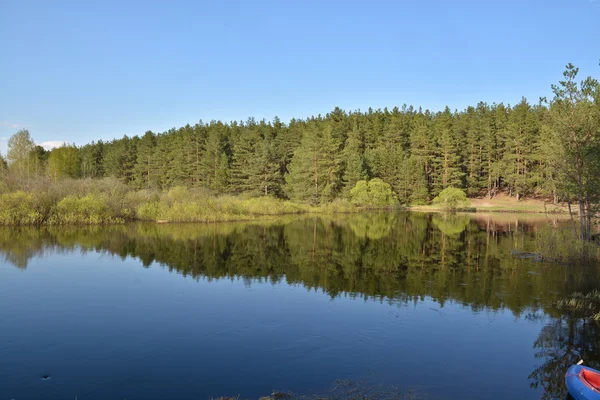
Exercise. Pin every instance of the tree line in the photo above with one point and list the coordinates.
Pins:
(549, 149)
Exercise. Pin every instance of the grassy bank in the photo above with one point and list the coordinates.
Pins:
(502, 204)
(107, 201)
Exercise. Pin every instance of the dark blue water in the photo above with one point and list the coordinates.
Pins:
(82, 322)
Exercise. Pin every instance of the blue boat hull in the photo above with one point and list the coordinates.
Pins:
(578, 387)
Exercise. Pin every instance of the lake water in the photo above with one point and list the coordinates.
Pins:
(430, 305)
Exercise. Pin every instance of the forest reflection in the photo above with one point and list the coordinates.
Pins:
(391, 257)
(465, 258)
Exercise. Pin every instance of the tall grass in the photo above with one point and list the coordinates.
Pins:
(108, 201)
(561, 245)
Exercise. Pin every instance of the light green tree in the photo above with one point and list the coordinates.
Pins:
(452, 198)
(64, 162)
(374, 193)
(20, 147)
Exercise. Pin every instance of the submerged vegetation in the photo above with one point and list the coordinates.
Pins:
(346, 389)
(377, 158)
(586, 305)
(558, 244)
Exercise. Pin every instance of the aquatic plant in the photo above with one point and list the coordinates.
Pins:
(587, 304)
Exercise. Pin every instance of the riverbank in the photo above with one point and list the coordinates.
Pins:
(180, 205)
(177, 205)
(503, 204)
(107, 201)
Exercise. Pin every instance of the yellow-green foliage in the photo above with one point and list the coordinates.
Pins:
(90, 209)
(149, 211)
(109, 201)
(19, 208)
(452, 199)
(338, 206)
(181, 205)
(561, 245)
(374, 193)
(451, 224)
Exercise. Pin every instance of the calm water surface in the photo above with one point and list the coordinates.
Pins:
(429, 303)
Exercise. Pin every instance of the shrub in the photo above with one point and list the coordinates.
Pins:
(339, 206)
(149, 211)
(19, 208)
(561, 245)
(90, 209)
(452, 198)
(374, 193)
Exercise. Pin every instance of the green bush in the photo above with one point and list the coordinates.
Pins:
(452, 198)
(374, 193)
(339, 206)
(90, 209)
(149, 211)
(19, 208)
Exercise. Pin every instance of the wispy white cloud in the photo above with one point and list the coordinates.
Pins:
(7, 124)
(51, 144)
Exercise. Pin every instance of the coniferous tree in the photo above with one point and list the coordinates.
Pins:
(214, 163)
(91, 156)
(145, 170)
(422, 146)
(483, 150)
(447, 161)
(119, 159)
(353, 156)
(314, 173)
(245, 143)
(519, 147)
(574, 144)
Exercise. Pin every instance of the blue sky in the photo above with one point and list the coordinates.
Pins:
(77, 71)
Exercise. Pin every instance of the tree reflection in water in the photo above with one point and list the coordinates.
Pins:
(399, 257)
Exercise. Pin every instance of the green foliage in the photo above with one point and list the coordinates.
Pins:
(25, 160)
(451, 224)
(572, 144)
(64, 162)
(92, 157)
(19, 208)
(315, 171)
(149, 211)
(179, 205)
(560, 245)
(544, 150)
(91, 209)
(452, 199)
(374, 193)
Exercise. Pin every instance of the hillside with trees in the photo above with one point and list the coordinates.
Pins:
(547, 149)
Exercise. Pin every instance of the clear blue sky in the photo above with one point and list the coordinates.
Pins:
(82, 70)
